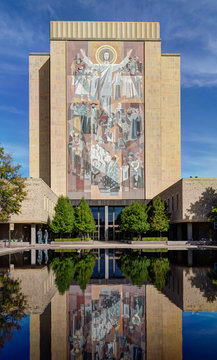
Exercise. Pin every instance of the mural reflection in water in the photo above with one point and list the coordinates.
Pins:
(107, 322)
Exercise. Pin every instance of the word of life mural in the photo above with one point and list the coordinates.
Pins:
(105, 120)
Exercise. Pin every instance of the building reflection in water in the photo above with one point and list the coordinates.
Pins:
(107, 321)
(111, 319)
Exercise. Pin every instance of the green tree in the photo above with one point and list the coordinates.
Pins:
(64, 270)
(84, 269)
(63, 221)
(134, 219)
(84, 221)
(12, 308)
(159, 216)
(135, 268)
(12, 186)
(159, 271)
(213, 214)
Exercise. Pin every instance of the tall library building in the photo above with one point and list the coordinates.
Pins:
(104, 124)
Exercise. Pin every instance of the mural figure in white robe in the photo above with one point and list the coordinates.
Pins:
(106, 69)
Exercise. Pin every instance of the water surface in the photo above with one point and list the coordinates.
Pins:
(108, 305)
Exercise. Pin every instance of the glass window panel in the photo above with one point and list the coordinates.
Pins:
(95, 213)
(110, 215)
(110, 233)
(102, 215)
(118, 211)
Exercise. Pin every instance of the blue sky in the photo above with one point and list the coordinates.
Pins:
(187, 27)
(199, 332)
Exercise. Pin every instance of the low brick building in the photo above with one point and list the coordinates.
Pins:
(189, 201)
(37, 211)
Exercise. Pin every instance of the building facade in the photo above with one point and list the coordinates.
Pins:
(105, 115)
(189, 201)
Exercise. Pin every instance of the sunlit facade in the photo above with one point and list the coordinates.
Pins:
(105, 116)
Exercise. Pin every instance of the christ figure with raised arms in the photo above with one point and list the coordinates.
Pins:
(106, 69)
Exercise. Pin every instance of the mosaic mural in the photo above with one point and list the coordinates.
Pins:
(105, 119)
(107, 322)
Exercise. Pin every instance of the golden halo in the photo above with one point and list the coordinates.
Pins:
(100, 54)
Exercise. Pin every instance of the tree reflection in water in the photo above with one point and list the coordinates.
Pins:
(159, 270)
(78, 267)
(12, 308)
(138, 268)
(135, 268)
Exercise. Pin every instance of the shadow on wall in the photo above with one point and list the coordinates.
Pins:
(44, 122)
(203, 206)
(202, 280)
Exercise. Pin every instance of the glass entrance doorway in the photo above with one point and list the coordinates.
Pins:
(107, 222)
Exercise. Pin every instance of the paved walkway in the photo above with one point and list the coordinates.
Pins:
(107, 245)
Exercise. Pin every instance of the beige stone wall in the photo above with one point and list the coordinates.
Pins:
(174, 199)
(58, 117)
(39, 116)
(164, 326)
(152, 83)
(195, 199)
(170, 120)
(190, 288)
(197, 287)
(59, 327)
(37, 285)
(199, 195)
(38, 206)
(104, 30)
(34, 337)
(162, 119)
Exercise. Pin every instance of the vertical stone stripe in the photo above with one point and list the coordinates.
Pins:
(152, 118)
(39, 117)
(58, 117)
(170, 120)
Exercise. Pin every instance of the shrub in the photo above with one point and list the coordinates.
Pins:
(150, 239)
(84, 221)
(63, 221)
(134, 219)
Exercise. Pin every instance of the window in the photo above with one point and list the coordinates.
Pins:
(172, 203)
(177, 201)
(110, 215)
(118, 211)
(102, 215)
(95, 213)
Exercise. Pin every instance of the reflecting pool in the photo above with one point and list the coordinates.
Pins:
(108, 304)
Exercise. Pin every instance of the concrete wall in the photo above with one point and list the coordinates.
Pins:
(164, 326)
(195, 199)
(173, 197)
(199, 195)
(170, 120)
(58, 117)
(191, 289)
(38, 206)
(38, 286)
(152, 85)
(39, 116)
(162, 119)
(59, 327)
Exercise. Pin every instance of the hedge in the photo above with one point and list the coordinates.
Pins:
(154, 250)
(64, 250)
(150, 239)
(79, 239)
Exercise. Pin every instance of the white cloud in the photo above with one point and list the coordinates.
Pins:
(20, 155)
(206, 139)
(12, 109)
